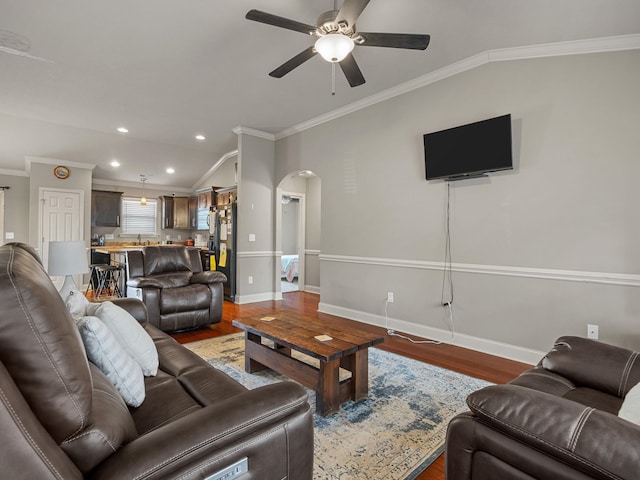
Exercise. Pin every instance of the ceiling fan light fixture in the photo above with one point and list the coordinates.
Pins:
(334, 47)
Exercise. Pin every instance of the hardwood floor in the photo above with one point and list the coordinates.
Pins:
(468, 362)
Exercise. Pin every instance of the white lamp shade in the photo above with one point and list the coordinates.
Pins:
(334, 47)
(68, 258)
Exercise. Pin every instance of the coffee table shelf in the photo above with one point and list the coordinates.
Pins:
(347, 349)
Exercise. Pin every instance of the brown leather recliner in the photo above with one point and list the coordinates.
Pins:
(555, 421)
(170, 281)
(61, 418)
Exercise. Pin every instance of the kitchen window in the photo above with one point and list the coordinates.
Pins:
(139, 219)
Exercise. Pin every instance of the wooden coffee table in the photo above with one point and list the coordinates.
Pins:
(347, 349)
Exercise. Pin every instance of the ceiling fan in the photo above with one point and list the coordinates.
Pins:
(336, 36)
(15, 44)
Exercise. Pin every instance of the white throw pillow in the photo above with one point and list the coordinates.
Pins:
(77, 304)
(630, 409)
(106, 353)
(133, 338)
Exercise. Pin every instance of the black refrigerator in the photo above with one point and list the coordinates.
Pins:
(222, 242)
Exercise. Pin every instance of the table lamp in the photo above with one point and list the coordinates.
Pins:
(68, 259)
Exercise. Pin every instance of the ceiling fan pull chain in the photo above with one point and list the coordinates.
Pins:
(333, 79)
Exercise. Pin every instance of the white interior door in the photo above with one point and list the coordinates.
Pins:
(61, 214)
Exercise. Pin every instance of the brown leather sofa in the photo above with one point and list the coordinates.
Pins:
(170, 281)
(555, 421)
(61, 418)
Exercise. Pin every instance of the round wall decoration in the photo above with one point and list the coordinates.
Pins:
(61, 172)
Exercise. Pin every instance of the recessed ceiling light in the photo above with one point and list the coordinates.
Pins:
(200, 137)
(115, 163)
(123, 130)
(171, 170)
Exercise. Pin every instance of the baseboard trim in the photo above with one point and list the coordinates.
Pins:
(256, 297)
(312, 289)
(491, 347)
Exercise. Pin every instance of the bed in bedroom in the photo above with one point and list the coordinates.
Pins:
(289, 270)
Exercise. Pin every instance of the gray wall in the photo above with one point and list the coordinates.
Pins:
(16, 208)
(256, 194)
(225, 174)
(538, 252)
(313, 235)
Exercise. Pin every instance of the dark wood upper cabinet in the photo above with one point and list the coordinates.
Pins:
(105, 208)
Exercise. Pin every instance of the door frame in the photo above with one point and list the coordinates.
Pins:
(40, 246)
(301, 239)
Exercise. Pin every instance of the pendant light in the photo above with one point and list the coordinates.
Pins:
(143, 199)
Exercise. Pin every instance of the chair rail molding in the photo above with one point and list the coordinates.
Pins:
(622, 279)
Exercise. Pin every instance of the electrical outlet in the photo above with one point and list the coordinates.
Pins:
(592, 331)
(390, 297)
(250, 279)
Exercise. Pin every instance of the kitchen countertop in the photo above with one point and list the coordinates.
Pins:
(127, 248)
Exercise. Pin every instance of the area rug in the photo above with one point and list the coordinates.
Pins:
(395, 433)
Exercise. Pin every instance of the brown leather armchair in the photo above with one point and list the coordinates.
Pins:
(170, 281)
(60, 417)
(555, 421)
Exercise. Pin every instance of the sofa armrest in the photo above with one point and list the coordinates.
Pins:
(144, 282)
(593, 364)
(590, 440)
(208, 277)
(134, 306)
(215, 436)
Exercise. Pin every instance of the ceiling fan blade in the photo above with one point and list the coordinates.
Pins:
(352, 71)
(350, 11)
(296, 61)
(20, 53)
(269, 19)
(395, 40)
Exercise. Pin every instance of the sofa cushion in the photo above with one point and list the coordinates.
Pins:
(48, 363)
(172, 280)
(630, 409)
(165, 259)
(110, 425)
(129, 334)
(77, 304)
(188, 299)
(110, 357)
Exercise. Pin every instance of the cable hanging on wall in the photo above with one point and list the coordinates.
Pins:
(448, 268)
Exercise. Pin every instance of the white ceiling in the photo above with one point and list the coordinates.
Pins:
(168, 69)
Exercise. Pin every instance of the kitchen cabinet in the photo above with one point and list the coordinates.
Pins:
(175, 212)
(105, 208)
(193, 212)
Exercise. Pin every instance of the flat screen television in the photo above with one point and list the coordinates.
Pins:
(469, 150)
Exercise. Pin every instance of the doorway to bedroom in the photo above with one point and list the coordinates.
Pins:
(292, 231)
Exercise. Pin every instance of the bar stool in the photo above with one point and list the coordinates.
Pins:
(105, 278)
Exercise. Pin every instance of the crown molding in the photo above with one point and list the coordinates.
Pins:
(221, 160)
(254, 132)
(147, 185)
(576, 47)
(55, 161)
(14, 173)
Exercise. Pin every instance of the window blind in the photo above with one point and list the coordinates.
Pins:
(139, 219)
